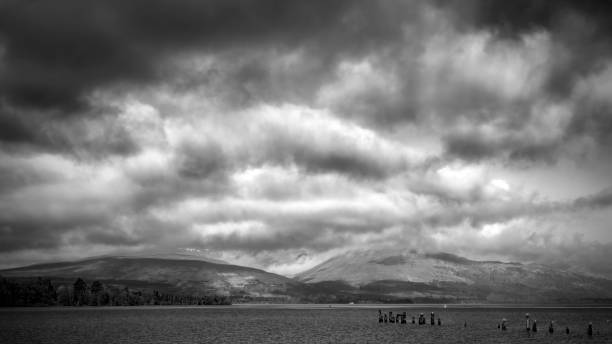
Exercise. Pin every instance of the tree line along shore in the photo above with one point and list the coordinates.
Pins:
(42, 292)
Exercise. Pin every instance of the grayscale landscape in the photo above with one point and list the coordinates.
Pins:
(305, 171)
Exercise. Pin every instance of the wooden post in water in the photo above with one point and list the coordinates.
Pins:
(528, 322)
(551, 327)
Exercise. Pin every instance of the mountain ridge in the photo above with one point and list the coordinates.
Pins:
(356, 276)
(411, 274)
(172, 275)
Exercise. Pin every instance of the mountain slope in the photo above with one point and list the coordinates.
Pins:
(358, 276)
(171, 275)
(452, 278)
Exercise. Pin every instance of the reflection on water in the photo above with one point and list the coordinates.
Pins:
(240, 324)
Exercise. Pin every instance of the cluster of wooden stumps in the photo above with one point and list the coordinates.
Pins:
(400, 318)
(531, 326)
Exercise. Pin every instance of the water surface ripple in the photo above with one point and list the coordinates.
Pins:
(240, 324)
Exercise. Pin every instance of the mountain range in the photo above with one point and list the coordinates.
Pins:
(450, 278)
(356, 276)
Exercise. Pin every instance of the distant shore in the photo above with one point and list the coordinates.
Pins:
(307, 306)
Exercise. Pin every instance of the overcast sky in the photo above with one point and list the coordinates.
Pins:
(277, 134)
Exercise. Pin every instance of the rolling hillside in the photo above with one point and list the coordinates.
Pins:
(182, 276)
(358, 276)
(442, 276)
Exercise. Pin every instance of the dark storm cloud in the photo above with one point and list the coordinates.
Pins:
(472, 146)
(583, 26)
(33, 231)
(512, 19)
(202, 161)
(55, 52)
(581, 48)
(593, 117)
(601, 199)
(279, 125)
(339, 158)
(89, 136)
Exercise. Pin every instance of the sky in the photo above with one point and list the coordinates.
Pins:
(280, 133)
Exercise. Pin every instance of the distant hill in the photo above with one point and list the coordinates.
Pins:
(445, 277)
(171, 275)
(357, 276)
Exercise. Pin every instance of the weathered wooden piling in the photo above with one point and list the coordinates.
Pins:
(527, 322)
(551, 327)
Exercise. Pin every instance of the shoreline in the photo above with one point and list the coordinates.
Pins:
(323, 307)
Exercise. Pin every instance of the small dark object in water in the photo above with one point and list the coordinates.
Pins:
(566, 330)
(439, 322)
(385, 318)
(413, 320)
(433, 318)
(380, 317)
(498, 326)
(551, 328)
(465, 323)
(391, 317)
(527, 322)
(534, 328)
(590, 330)
(503, 324)
(404, 318)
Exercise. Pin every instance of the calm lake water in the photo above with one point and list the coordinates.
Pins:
(294, 324)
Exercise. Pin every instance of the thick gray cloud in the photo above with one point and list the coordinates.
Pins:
(55, 54)
(601, 199)
(268, 130)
